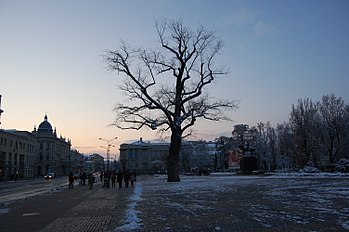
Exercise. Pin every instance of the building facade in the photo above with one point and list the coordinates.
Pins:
(17, 154)
(151, 158)
(27, 155)
(76, 161)
(204, 155)
(53, 152)
(94, 163)
(144, 157)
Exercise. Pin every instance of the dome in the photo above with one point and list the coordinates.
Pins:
(45, 126)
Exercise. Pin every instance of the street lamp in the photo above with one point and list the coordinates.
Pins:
(109, 145)
(108, 154)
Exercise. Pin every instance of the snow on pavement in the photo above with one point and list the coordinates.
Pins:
(318, 198)
(133, 222)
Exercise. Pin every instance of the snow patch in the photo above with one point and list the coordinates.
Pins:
(132, 221)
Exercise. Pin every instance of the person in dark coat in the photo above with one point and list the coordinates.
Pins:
(84, 176)
(101, 176)
(119, 178)
(71, 180)
(91, 180)
(113, 178)
(126, 178)
(132, 178)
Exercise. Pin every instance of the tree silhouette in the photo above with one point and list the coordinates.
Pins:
(166, 86)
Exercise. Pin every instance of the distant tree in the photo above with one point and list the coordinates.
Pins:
(345, 152)
(334, 123)
(305, 122)
(285, 145)
(167, 86)
(240, 132)
(223, 145)
(266, 144)
(272, 144)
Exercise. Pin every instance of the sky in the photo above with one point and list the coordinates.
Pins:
(51, 60)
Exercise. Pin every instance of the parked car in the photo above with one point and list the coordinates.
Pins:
(50, 175)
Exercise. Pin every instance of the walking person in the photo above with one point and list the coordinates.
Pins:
(101, 176)
(84, 176)
(126, 178)
(106, 179)
(119, 178)
(132, 178)
(71, 180)
(91, 180)
(113, 178)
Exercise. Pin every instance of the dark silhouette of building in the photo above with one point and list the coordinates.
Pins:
(53, 151)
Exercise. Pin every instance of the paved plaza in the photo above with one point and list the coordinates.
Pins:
(197, 203)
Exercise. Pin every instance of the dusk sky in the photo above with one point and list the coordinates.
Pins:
(276, 51)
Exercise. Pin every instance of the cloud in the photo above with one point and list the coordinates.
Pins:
(262, 29)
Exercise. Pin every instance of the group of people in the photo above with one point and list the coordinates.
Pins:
(107, 177)
(83, 176)
(127, 177)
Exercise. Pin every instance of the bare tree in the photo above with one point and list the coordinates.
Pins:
(272, 144)
(224, 144)
(166, 86)
(333, 115)
(265, 145)
(285, 145)
(305, 121)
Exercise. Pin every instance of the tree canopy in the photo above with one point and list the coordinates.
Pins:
(166, 86)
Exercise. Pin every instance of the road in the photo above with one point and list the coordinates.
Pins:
(52, 206)
(21, 189)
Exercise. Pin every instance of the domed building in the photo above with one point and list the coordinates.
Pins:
(53, 152)
(45, 126)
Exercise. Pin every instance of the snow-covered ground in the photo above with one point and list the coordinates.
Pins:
(303, 201)
(283, 201)
(132, 221)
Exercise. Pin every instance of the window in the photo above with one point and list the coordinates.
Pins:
(130, 154)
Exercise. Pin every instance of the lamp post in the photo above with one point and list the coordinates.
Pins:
(109, 145)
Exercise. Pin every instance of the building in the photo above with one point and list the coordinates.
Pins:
(28, 155)
(17, 154)
(53, 151)
(76, 161)
(150, 158)
(198, 155)
(204, 155)
(144, 157)
(94, 163)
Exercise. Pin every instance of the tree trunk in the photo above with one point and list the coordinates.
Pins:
(173, 158)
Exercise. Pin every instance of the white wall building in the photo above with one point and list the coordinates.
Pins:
(17, 154)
